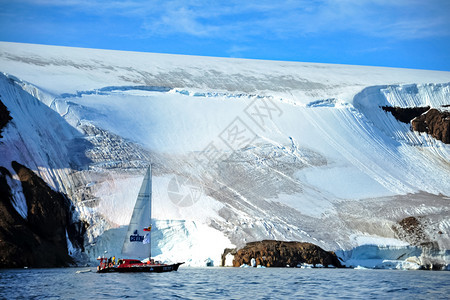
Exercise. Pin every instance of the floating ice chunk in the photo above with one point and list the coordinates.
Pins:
(398, 265)
(209, 262)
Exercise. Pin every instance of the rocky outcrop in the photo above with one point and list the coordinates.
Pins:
(40, 239)
(405, 115)
(414, 231)
(434, 122)
(4, 117)
(423, 119)
(270, 253)
(421, 232)
(226, 252)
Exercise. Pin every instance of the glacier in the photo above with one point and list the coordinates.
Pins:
(242, 150)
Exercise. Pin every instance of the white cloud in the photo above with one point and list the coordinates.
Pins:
(233, 19)
(238, 51)
(180, 20)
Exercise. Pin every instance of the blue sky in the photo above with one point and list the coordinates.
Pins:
(394, 33)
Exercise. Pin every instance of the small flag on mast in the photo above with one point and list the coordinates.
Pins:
(149, 228)
(146, 239)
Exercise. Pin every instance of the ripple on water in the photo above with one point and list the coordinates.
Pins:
(225, 283)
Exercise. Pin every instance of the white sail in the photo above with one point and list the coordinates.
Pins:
(137, 242)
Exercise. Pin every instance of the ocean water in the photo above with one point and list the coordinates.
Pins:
(225, 283)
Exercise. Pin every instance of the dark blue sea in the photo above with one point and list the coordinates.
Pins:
(225, 283)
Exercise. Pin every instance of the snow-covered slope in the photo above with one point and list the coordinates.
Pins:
(69, 70)
(242, 150)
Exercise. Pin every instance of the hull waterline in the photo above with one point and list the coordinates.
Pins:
(142, 268)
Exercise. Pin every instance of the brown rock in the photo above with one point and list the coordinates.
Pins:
(39, 240)
(434, 122)
(413, 230)
(4, 117)
(405, 115)
(423, 119)
(270, 253)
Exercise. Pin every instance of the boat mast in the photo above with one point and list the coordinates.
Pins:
(150, 204)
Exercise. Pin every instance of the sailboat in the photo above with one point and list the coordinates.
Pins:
(137, 242)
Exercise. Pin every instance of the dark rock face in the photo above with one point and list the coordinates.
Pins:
(423, 119)
(40, 240)
(280, 254)
(231, 251)
(4, 117)
(410, 228)
(413, 230)
(434, 122)
(405, 115)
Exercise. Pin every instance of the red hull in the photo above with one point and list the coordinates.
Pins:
(138, 267)
(143, 268)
